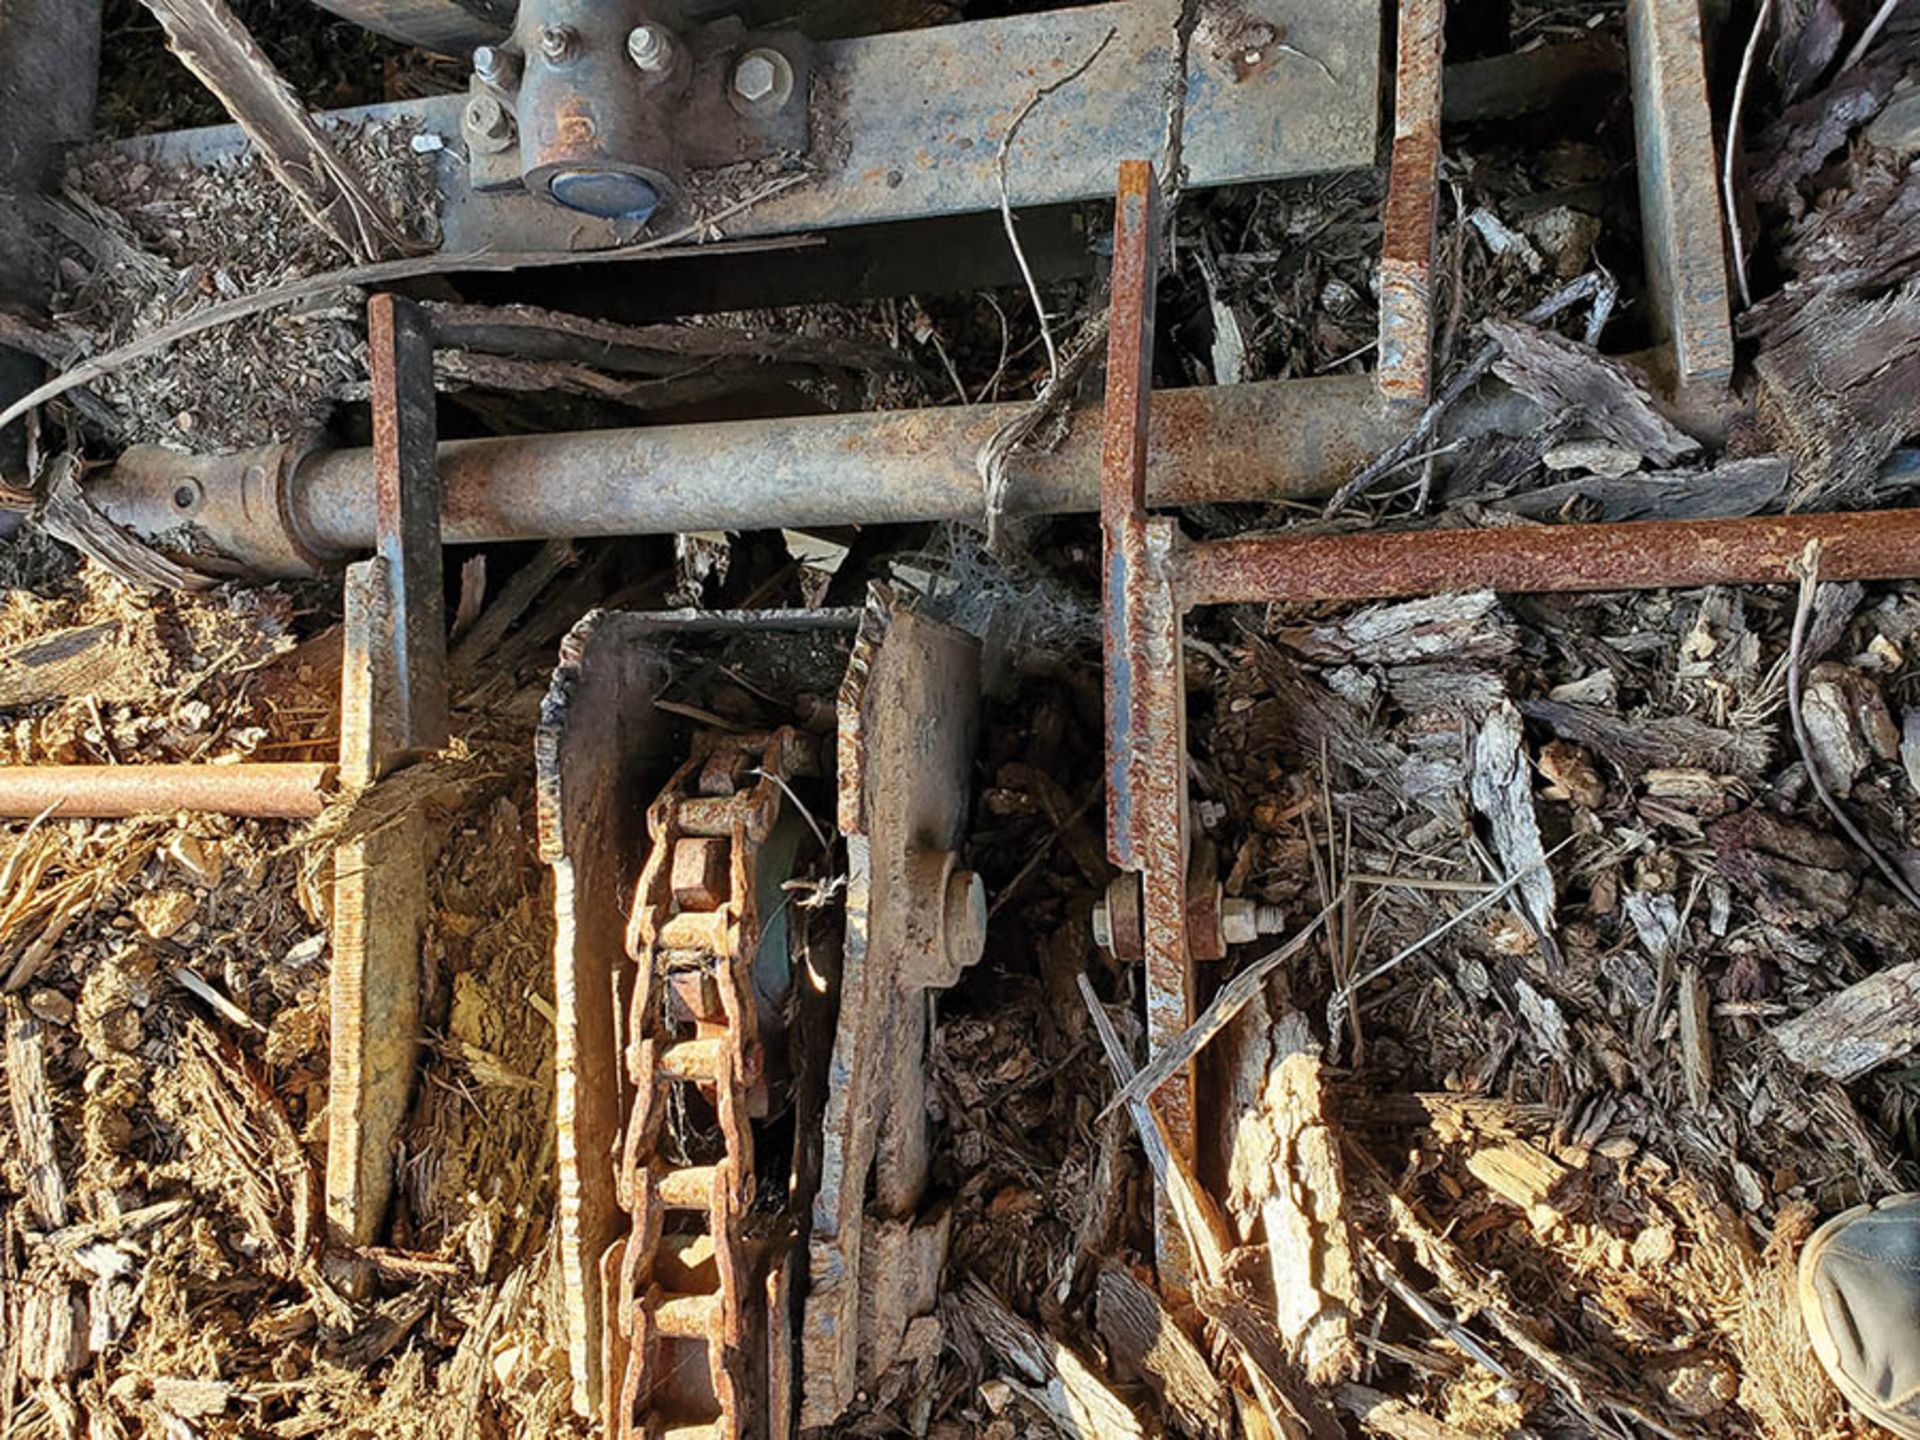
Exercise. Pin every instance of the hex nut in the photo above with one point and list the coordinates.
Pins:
(488, 126)
(1239, 922)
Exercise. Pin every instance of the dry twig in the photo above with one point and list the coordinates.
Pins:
(1808, 569)
(1731, 150)
(1006, 199)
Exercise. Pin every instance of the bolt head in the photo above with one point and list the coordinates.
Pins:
(650, 48)
(495, 66)
(557, 42)
(757, 77)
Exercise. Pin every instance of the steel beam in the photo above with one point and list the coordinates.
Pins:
(407, 506)
(290, 791)
(393, 707)
(909, 124)
(1680, 212)
(450, 27)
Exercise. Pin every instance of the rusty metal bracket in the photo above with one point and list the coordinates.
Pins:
(393, 706)
(1147, 830)
(915, 920)
(1405, 368)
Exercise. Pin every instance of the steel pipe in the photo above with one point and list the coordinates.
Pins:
(1538, 559)
(281, 511)
(292, 791)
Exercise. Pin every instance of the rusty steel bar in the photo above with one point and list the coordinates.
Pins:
(1680, 212)
(286, 791)
(1145, 693)
(1407, 223)
(1640, 555)
(280, 510)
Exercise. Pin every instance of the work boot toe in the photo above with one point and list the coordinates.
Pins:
(1860, 1295)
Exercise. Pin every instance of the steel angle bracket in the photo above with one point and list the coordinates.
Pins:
(908, 125)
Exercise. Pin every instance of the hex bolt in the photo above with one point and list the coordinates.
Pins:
(650, 47)
(557, 43)
(763, 77)
(496, 66)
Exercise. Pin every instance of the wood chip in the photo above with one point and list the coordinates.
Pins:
(211, 42)
(1865, 1026)
(32, 1105)
(1073, 1397)
(1563, 375)
(1286, 1186)
(1148, 1341)
(1502, 787)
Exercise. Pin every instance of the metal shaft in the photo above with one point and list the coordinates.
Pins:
(295, 791)
(1642, 555)
(275, 511)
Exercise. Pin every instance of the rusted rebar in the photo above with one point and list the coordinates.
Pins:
(287, 791)
(1644, 555)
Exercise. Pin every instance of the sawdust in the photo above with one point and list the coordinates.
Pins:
(146, 243)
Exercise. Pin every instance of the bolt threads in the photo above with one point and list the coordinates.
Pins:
(649, 47)
(495, 66)
(557, 42)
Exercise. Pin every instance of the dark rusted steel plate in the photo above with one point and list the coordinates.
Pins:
(1643, 555)
(1680, 211)
(407, 525)
(908, 727)
(1405, 369)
